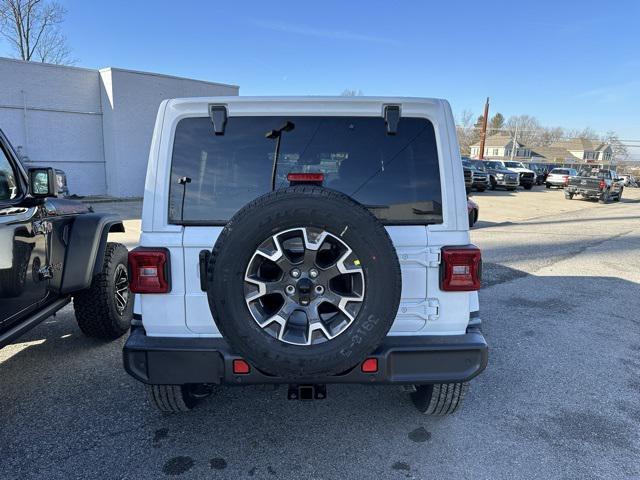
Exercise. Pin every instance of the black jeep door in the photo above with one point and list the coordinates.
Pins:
(23, 245)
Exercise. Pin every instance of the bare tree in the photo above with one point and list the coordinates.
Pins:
(468, 134)
(32, 28)
(619, 149)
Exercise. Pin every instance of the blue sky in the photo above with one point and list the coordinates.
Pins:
(572, 64)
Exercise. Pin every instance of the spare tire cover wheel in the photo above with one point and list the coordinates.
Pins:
(304, 281)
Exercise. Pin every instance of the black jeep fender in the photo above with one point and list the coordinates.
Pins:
(86, 247)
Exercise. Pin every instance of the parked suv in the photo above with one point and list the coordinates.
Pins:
(305, 241)
(53, 251)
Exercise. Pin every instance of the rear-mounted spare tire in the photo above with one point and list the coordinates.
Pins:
(304, 281)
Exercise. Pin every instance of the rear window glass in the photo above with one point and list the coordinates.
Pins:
(560, 171)
(396, 176)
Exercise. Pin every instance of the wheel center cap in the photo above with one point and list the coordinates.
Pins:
(305, 286)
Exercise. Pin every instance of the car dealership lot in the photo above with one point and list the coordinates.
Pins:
(561, 312)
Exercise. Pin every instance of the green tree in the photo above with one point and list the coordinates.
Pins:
(496, 123)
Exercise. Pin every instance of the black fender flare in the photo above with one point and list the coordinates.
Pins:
(86, 247)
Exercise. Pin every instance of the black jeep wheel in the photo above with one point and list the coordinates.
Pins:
(528, 186)
(304, 281)
(105, 309)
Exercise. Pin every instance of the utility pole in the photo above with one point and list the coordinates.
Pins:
(515, 141)
(483, 132)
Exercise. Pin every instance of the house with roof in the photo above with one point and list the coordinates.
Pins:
(586, 149)
(499, 146)
(552, 154)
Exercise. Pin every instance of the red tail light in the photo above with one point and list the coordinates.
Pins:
(566, 180)
(316, 178)
(370, 365)
(602, 185)
(149, 270)
(461, 269)
(241, 367)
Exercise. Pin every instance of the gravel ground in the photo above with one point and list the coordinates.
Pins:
(559, 399)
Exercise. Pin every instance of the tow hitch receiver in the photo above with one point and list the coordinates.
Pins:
(307, 392)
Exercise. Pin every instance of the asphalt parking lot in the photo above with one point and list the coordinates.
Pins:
(559, 399)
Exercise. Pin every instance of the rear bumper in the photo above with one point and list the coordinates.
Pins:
(401, 360)
(587, 192)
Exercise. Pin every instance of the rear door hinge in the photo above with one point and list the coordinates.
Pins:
(434, 256)
(433, 309)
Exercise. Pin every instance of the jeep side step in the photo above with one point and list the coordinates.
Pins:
(307, 392)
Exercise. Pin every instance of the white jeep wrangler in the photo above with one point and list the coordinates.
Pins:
(305, 241)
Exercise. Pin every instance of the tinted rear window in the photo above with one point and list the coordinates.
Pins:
(560, 171)
(396, 176)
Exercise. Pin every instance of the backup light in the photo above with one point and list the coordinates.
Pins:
(460, 270)
(149, 270)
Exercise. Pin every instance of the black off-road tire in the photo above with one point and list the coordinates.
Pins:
(309, 207)
(95, 307)
(481, 189)
(528, 186)
(440, 398)
(547, 185)
(177, 398)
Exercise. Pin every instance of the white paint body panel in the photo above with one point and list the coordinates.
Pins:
(424, 309)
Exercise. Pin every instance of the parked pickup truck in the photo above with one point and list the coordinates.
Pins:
(595, 183)
(479, 177)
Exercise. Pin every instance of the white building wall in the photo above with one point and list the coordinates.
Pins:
(53, 115)
(94, 125)
(129, 113)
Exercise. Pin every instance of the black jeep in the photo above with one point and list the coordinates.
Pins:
(53, 250)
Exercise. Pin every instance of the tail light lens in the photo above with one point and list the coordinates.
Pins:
(461, 269)
(149, 270)
(602, 185)
(566, 180)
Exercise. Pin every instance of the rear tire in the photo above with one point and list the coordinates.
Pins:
(605, 197)
(528, 187)
(548, 185)
(481, 189)
(177, 398)
(97, 310)
(619, 196)
(439, 398)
